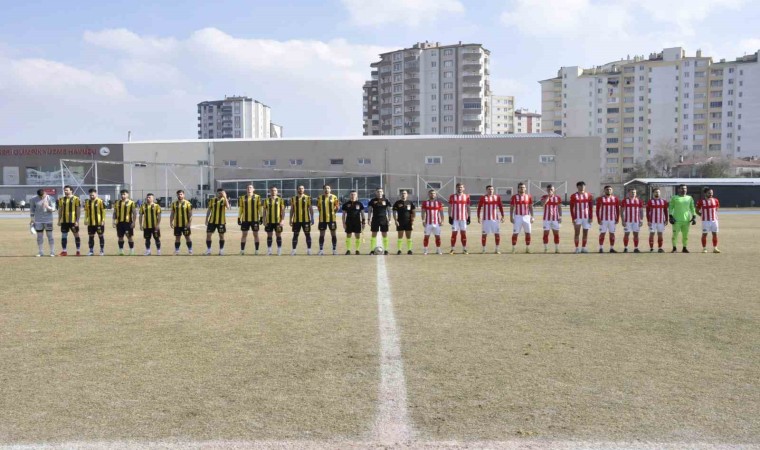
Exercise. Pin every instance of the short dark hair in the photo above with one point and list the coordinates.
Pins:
(520, 184)
(124, 191)
(180, 191)
(325, 185)
(549, 186)
(353, 192)
(682, 185)
(489, 186)
(40, 192)
(68, 186)
(220, 190)
(273, 187)
(459, 184)
(707, 188)
(607, 186)
(402, 191)
(149, 194)
(656, 188)
(92, 190)
(580, 183)
(249, 184)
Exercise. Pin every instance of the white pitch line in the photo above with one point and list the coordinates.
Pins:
(392, 424)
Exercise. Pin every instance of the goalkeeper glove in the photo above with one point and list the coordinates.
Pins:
(672, 220)
(468, 220)
(240, 222)
(451, 220)
(693, 220)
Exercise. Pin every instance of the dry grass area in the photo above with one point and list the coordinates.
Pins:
(577, 347)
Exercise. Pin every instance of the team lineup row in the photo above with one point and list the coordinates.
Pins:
(253, 212)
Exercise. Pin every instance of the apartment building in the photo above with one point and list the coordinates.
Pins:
(236, 118)
(666, 102)
(526, 121)
(502, 113)
(429, 89)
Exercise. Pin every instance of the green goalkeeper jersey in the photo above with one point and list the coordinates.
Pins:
(681, 207)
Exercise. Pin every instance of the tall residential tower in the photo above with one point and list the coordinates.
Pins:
(236, 117)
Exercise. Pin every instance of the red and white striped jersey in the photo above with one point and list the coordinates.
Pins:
(709, 208)
(521, 204)
(657, 210)
(460, 206)
(551, 207)
(631, 208)
(581, 205)
(607, 208)
(431, 208)
(491, 207)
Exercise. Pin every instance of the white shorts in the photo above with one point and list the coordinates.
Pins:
(490, 226)
(607, 226)
(709, 226)
(584, 223)
(631, 227)
(656, 227)
(522, 223)
(551, 225)
(459, 225)
(432, 228)
(39, 227)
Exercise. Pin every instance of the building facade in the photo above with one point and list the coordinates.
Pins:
(666, 102)
(527, 122)
(236, 118)
(502, 114)
(429, 89)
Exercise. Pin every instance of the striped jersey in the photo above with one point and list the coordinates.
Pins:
(581, 205)
(150, 214)
(657, 210)
(608, 208)
(709, 209)
(217, 208)
(551, 207)
(274, 208)
(631, 209)
(183, 212)
(124, 211)
(431, 209)
(460, 206)
(491, 207)
(300, 208)
(249, 208)
(521, 204)
(68, 209)
(327, 206)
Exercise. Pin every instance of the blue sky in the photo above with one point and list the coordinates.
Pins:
(89, 71)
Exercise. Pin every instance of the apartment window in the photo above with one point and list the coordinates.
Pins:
(448, 96)
(434, 64)
(433, 108)
(448, 118)
(612, 140)
(434, 97)
(269, 162)
(448, 63)
(397, 109)
(448, 85)
(397, 87)
(397, 77)
(397, 56)
(397, 99)
(237, 133)
(364, 161)
(396, 67)
(397, 121)
(448, 107)
(612, 150)
(434, 130)
(448, 129)
(716, 104)
(433, 160)
(612, 160)
(546, 159)
(296, 162)
(448, 74)
(229, 163)
(505, 159)
(434, 86)
(336, 161)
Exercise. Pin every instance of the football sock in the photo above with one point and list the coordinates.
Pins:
(704, 240)
(64, 241)
(321, 242)
(438, 242)
(256, 245)
(372, 243)
(453, 238)
(308, 240)
(409, 244)
(158, 243)
(651, 241)
(102, 240)
(659, 241)
(78, 242)
(625, 240)
(147, 244)
(357, 242)
(399, 243)
(546, 236)
(348, 243)
(715, 240)
(269, 242)
(497, 239)
(464, 239)
(556, 237)
(295, 240)
(208, 245)
(612, 239)
(189, 245)
(221, 244)
(601, 239)
(334, 242)
(635, 241)
(514, 240)
(385, 243)
(242, 246)
(425, 241)
(483, 239)
(39, 241)
(279, 241)
(121, 245)
(176, 246)
(131, 244)
(527, 238)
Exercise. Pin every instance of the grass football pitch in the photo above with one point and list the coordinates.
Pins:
(505, 349)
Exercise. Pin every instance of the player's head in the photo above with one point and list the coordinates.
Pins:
(149, 198)
(632, 192)
(608, 190)
(581, 185)
(489, 190)
(432, 194)
(656, 192)
(521, 188)
(550, 189)
(273, 191)
(124, 194)
(300, 190)
(682, 189)
(326, 189)
(460, 188)
(67, 190)
(404, 194)
(93, 193)
(249, 189)
(353, 196)
(40, 193)
(379, 193)
(180, 195)
(708, 192)
(220, 193)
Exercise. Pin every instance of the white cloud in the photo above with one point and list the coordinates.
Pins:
(565, 18)
(407, 12)
(685, 14)
(748, 46)
(128, 42)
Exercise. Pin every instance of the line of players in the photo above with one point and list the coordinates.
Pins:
(253, 212)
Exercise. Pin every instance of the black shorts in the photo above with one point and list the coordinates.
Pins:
(379, 225)
(353, 226)
(245, 226)
(404, 226)
(270, 227)
(327, 225)
(179, 231)
(298, 226)
(124, 229)
(148, 232)
(66, 227)
(95, 229)
(220, 227)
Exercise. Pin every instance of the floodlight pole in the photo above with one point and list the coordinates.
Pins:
(201, 186)
(96, 175)
(166, 186)
(63, 181)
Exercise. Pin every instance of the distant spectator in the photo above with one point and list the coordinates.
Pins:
(2, 205)
(13, 205)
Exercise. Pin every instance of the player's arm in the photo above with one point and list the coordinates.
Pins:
(282, 210)
(598, 210)
(530, 207)
(363, 215)
(649, 212)
(424, 215)
(559, 212)
(311, 212)
(240, 210)
(370, 211)
(481, 202)
(343, 217)
(141, 217)
(512, 210)
(412, 213)
(693, 211)
(134, 216)
(572, 208)
(617, 211)
(698, 210)
(261, 216)
(440, 214)
(395, 214)
(158, 216)
(208, 213)
(501, 208)
(115, 215)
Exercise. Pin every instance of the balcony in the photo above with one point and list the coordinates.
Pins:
(412, 113)
(412, 124)
(412, 67)
(386, 94)
(412, 102)
(472, 65)
(471, 87)
(473, 120)
(410, 58)
(412, 79)
(412, 91)
(471, 76)
(471, 55)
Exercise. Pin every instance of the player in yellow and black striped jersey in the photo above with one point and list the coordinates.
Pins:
(250, 216)
(216, 219)
(95, 219)
(274, 214)
(181, 220)
(301, 218)
(150, 221)
(327, 207)
(68, 218)
(124, 217)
